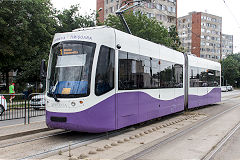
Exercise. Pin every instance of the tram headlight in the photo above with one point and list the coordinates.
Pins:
(73, 103)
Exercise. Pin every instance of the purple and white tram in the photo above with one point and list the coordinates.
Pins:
(101, 79)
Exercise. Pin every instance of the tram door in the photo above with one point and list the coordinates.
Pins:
(127, 95)
(105, 88)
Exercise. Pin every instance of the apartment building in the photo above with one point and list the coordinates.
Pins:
(227, 45)
(200, 34)
(164, 11)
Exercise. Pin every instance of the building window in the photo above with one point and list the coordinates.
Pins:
(170, 9)
(150, 5)
(174, 9)
(150, 15)
(112, 9)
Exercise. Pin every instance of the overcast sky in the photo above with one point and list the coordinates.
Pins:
(229, 11)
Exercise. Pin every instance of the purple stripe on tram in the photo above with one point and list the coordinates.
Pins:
(99, 118)
(136, 107)
(132, 108)
(210, 98)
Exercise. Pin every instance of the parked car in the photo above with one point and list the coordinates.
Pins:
(3, 104)
(38, 102)
(224, 88)
(229, 88)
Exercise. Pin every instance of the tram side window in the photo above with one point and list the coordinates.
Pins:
(166, 74)
(178, 76)
(217, 78)
(201, 77)
(213, 78)
(155, 73)
(148, 73)
(203, 82)
(194, 77)
(129, 65)
(142, 72)
(104, 81)
(145, 73)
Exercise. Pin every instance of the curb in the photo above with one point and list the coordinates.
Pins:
(21, 134)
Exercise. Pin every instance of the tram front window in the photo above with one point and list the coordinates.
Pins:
(70, 69)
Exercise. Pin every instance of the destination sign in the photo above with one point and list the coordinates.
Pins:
(69, 52)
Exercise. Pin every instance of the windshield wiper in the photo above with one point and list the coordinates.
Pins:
(54, 95)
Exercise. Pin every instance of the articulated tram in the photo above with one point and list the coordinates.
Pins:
(101, 79)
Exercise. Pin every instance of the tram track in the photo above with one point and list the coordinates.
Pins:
(184, 132)
(231, 97)
(117, 132)
(82, 141)
(34, 139)
(75, 143)
(221, 143)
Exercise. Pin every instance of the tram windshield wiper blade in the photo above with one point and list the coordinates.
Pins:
(55, 97)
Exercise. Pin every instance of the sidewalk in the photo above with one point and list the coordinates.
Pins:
(20, 121)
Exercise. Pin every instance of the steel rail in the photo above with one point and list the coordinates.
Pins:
(77, 143)
(34, 139)
(230, 97)
(175, 136)
(220, 144)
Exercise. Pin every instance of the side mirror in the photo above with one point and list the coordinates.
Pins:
(43, 70)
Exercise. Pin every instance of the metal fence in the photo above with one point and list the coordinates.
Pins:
(17, 106)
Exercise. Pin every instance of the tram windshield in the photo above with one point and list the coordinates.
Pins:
(70, 69)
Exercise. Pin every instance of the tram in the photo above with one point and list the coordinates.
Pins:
(101, 79)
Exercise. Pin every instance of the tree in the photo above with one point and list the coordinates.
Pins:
(231, 69)
(70, 19)
(26, 29)
(147, 28)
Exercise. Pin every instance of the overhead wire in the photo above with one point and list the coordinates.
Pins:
(162, 11)
(232, 14)
(236, 20)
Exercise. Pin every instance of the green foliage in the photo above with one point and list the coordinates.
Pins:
(147, 28)
(26, 29)
(70, 19)
(231, 69)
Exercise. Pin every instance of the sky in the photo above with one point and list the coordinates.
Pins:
(227, 9)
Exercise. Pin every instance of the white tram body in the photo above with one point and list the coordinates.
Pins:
(101, 79)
